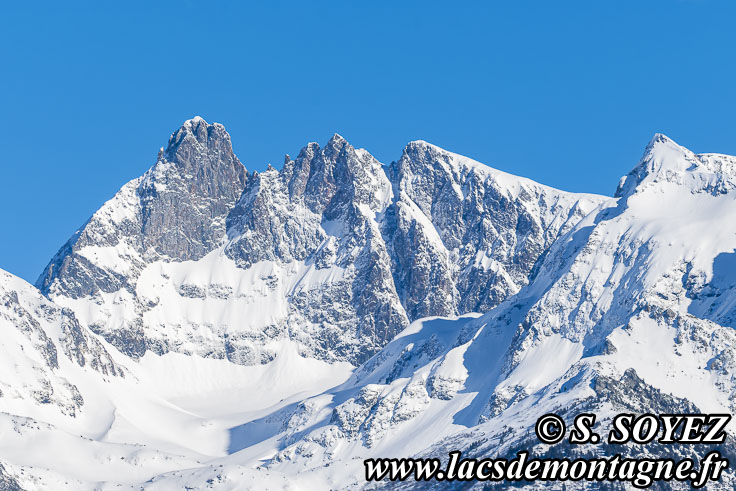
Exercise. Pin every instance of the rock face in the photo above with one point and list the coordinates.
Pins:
(334, 251)
(7, 482)
(319, 214)
(176, 211)
(38, 340)
(467, 236)
(189, 192)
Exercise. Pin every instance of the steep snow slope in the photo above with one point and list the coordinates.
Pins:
(333, 251)
(74, 411)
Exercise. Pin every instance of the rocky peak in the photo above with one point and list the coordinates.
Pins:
(196, 138)
(424, 174)
(329, 177)
(330, 183)
(660, 155)
(296, 172)
(417, 147)
(420, 155)
(186, 196)
(199, 151)
(175, 211)
(334, 146)
(331, 216)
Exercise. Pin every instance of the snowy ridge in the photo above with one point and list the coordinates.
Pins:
(666, 161)
(462, 166)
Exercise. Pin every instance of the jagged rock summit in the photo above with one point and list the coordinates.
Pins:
(335, 251)
(175, 211)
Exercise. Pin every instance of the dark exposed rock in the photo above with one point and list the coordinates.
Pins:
(8, 482)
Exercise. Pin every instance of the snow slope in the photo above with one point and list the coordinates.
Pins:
(74, 411)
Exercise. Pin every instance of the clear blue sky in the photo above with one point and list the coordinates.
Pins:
(566, 93)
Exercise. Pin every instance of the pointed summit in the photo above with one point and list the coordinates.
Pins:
(334, 146)
(175, 211)
(662, 149)
(204, 182)
(660, 138)
(204, 162)
(424, 164)
(662, 160)
(420, 144)
(196, 139)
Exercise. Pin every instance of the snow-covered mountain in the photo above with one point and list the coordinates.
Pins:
(334, 251)
(630, 311)
(211, 327)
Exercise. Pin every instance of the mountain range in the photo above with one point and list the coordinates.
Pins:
(219, 328)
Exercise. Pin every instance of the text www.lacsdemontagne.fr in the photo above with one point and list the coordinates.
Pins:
(641, 473)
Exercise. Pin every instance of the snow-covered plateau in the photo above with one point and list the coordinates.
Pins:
(210, 327)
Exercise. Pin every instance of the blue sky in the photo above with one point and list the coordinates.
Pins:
(566, 93)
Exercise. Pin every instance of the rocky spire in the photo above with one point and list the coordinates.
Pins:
(197, 140)
(176, 211)
(184, 205)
